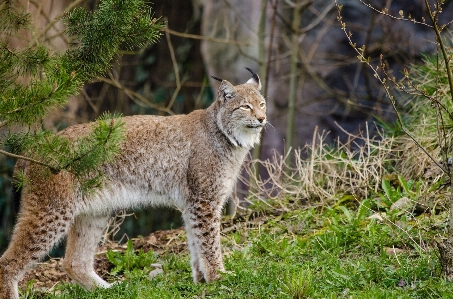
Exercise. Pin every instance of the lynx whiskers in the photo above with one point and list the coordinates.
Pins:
(187, 161)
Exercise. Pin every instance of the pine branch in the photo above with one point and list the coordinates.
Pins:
(100, 35)
(34, 81)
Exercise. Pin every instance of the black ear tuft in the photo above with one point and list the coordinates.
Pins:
(255, 80)
(217, 78)
(255, 76)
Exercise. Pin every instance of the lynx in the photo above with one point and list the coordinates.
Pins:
(190, 162)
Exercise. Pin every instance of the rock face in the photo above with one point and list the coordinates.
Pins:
(333, 89)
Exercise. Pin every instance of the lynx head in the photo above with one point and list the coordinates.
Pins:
(241, 113)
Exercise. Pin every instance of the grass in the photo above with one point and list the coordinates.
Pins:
(323, 252)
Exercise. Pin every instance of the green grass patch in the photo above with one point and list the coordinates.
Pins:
(333, 252)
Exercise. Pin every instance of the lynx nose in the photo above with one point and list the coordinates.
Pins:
(261, 119)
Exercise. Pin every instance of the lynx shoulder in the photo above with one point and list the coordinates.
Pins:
(187, 161)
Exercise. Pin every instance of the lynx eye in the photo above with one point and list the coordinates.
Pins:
(262, 105)
(245, 107)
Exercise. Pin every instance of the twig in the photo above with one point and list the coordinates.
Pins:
(318, 20)
(56, 19)
(240, 16)
(253, 58)
(92, 149)
(90, 102)
(62, 35)
(134, 95)
(207, 38)
(401, 18)
(175, 69)
(200, 94)
(269, 53)
(419, 91)
(434, 20)
(439, 115)
(28, 159)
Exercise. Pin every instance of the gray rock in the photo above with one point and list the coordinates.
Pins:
(403, 204)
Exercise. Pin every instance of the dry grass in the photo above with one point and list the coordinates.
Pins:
(324, 172)
(413, 162)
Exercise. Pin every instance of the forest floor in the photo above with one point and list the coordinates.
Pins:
(281, 249)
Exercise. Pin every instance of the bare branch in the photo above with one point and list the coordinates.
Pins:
(318, 20)
(134, 95)
(207, 38)
(269, 48)
(50, 24)
(176, 71)
(401, 18)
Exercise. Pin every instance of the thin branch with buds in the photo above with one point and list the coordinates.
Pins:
(360, 51)
(401, 17)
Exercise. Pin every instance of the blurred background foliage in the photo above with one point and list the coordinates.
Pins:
(282, 40)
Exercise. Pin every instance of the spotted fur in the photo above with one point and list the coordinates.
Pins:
(187, 161)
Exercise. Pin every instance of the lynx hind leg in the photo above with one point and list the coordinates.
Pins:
(82, 243)
(38, 229)
(203, 231)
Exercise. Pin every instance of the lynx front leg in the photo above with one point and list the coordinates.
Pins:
(203, 234)
(197, 274)
(83, 239)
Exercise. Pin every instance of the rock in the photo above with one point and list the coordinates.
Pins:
(156, 271)
(402, 204)
(393, 250)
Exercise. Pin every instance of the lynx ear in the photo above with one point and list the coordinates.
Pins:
(255, 80)
(226, 90)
